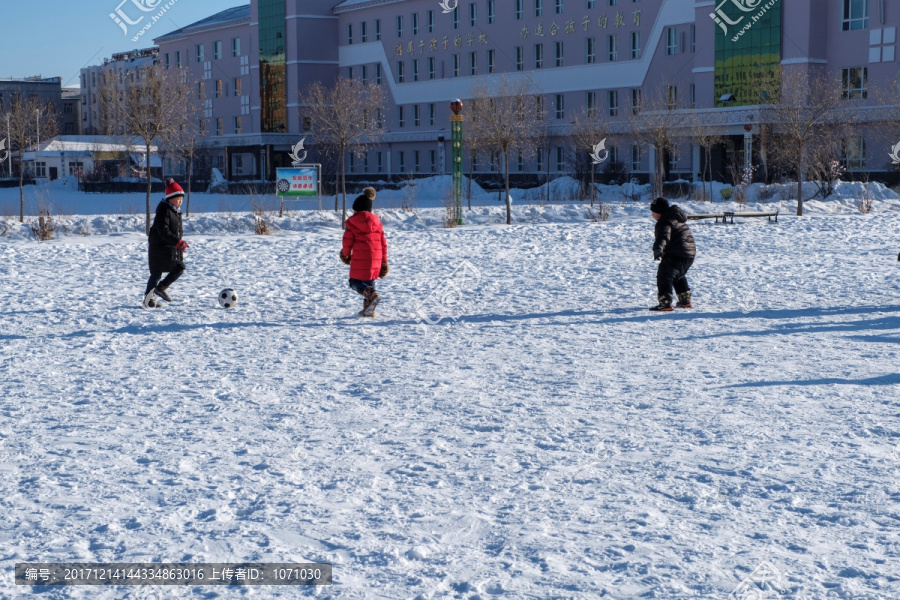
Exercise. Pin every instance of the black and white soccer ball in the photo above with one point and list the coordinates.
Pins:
(228, 297)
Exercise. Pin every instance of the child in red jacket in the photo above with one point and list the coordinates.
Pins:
(365, 250)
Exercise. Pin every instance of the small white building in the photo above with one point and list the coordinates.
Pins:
(79, 155)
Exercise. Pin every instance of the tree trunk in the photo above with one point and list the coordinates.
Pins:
(187, 210)
(800, 187)
(343, 191)
(508, 206)
(660, 173)
(593, 187)
(149, 188)
(21, 188)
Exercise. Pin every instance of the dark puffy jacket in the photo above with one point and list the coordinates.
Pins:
(673, 236)
(164, 235)
(365, 244)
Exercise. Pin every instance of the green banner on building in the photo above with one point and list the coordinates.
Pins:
(748, 50)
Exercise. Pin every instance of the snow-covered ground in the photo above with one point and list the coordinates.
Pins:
(513, 424)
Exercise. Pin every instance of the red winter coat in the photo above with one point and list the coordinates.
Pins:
(366, 245)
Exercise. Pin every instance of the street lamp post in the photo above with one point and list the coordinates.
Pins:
(456, 120)
(9, 150)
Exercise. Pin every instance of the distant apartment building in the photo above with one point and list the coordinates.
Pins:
(92, 79)
(603, 57)
(70, 115)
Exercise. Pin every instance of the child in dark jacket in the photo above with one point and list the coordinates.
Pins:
(365, 250)
(166, 249)
(674, 248)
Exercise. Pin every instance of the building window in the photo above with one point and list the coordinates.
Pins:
(377, 30)
(217, 50)
(430, 67)
(178, 58)
(673, 158)
(431, 114)
(220, 125)
(473, 14)
(539, 163)
(590, 50)
(238, 124)
(349, 33)
(430, 19)
(636, 101)
(671, 41)
(364, 73)
(455, 19)
(693, 94)
(350, 73)
(417, 121)
(538, 8)
(520, 58)
(201, 90)
(401, 119)
(560, 106)
(635, 44)
(416, 159)
(559, 6)
(612, 97)
(635, 157)
(166, 63)
(520, 9)
(560, 158)
(201, 127)
(856, 15)
(401, 160)
(433, 161)
(693, 38)
(218, 88)
(613, 2)
(590, 3)
(399, 26)
(538, 56)
(456, 65)
(307, 124)
(473, 63)
(415, 23)
(590, 101)
(491, 56)
(236, 86)
(520, 161)
(235, 46)
(539, 108)
(351, 166)
(671, 97)
(363, 32)
(559, 54)
(854, 83)
(380, 162)
(492, 15)
(40, 170)
(401, 75)
(613, 48)
(199, 52)
(415, 64)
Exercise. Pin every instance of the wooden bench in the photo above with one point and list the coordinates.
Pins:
(725, 216)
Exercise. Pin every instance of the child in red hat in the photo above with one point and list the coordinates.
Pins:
(365, 250)
(166, 251)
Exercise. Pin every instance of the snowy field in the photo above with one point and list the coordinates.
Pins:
(513, 424)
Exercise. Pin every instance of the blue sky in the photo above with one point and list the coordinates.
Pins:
(56, 39)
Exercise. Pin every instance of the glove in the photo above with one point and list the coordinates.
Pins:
(182, 245)
(898, 257)
(657, 255)
(345, 259)
(384, 271)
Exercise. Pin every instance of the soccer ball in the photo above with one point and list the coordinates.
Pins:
(228, 297)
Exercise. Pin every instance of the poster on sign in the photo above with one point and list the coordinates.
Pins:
(298, 183)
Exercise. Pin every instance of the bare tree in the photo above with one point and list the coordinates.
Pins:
(803, 112)
(707, 138)
(588, 131)
(150, 103)
(184, 142)
(346, 117)
(506, 123)
(30, 120)
(656, 123)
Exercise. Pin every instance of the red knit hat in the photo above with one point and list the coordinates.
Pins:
(173, 189)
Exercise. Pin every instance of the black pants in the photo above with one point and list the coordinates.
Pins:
(155, 277)
(672, 271)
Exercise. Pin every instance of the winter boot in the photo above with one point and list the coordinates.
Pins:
(162, 293)
(371, 300)
(684, 300)
(665, 304)
(149, 301)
